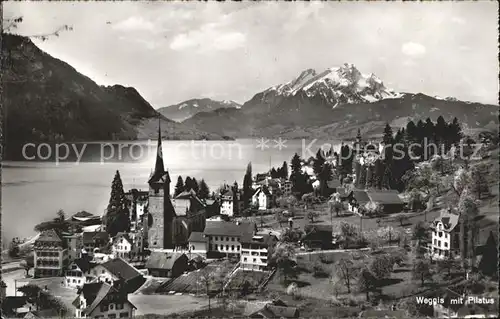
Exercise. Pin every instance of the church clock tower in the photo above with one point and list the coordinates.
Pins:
(160, 217)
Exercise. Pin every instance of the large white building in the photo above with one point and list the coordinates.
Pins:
(227, 203)
(50, 255)
(445, 235)
(262, 198)
(225, 237)
(256, 250)
(122, 245)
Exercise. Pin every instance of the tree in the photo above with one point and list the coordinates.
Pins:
(284, 170)
(188, 184)
(291, 235)
(346, 271)
(204, 191)
(421, 270)
(382, 266)
(117, 214)
(311, 215)
(479, 183)
(468, 207)
(28, 263)
(421, 234)
(319, 161)
(440, 130)
(13, 249)
(247, 186)
(366, 282)
(336, 206)
(179, 187)
(489, 261)
(387, 138)
(283, 258)
(42, 298)
(196, 187)
(447, 264)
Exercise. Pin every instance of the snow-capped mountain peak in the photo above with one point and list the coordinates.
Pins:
(337, 85)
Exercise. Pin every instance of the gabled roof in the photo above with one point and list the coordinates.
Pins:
(384, 197)
(186, 194)
(449, 220)
(124, 236)
(317, 228)
(83, 214)
(196, 237)
(83, 263)
(49, 236)
(89, 237)
(263, 240)
(262, 189)
(161, 260)
(361, 196)
(224, 228)
(119, 267)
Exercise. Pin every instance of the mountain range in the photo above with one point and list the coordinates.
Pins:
(187, 109)
(336, 103)
(47, 100)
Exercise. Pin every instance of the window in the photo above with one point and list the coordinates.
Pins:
(245, 259)
(440, 234)
(439, 243)
(232, 238)
(227, 247)
(119, 306)
(102, 271)
(227, 238)
(232, 247)
(124, 315)
(435, 241)
(111, 306)
(112, 315)
(254, 260)
(104, 308)
(238, 248)
(216, 238)
(445, 244)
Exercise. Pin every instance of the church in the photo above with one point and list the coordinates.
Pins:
(171, 221)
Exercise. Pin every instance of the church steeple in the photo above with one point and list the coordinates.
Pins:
(159, 170)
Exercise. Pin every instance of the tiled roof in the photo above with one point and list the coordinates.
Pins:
(264, 240)
(384, 197)
(228, 228)
(103, 291)
(161, 260)
(120, 267)
(83, 263)
(49, 236)
(262, 189)
(196, 237)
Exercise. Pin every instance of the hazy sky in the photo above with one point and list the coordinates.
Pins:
(172, 52)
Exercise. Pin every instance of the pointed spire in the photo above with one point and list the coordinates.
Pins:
(159, 170)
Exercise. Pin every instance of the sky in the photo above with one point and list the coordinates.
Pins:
(175, 51)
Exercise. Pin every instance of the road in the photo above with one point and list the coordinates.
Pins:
(319, 252)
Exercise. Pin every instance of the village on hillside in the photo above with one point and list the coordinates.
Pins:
(361, 232)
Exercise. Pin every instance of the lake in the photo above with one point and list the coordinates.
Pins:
(35, 191)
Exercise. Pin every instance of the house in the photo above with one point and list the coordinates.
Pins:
(78, 273)
(118, 268)
(94, 241)
(256, 251)
(190, 216)
(262, 198)
(388, 200)
(122, 245)
(275, 310)
(103, 300)
(224, 237)
(357, 199)
(317, 236)
(75, 245)
(230, 203)
(197, 243)
(171, 265)
(445, 238)
(50, 255)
